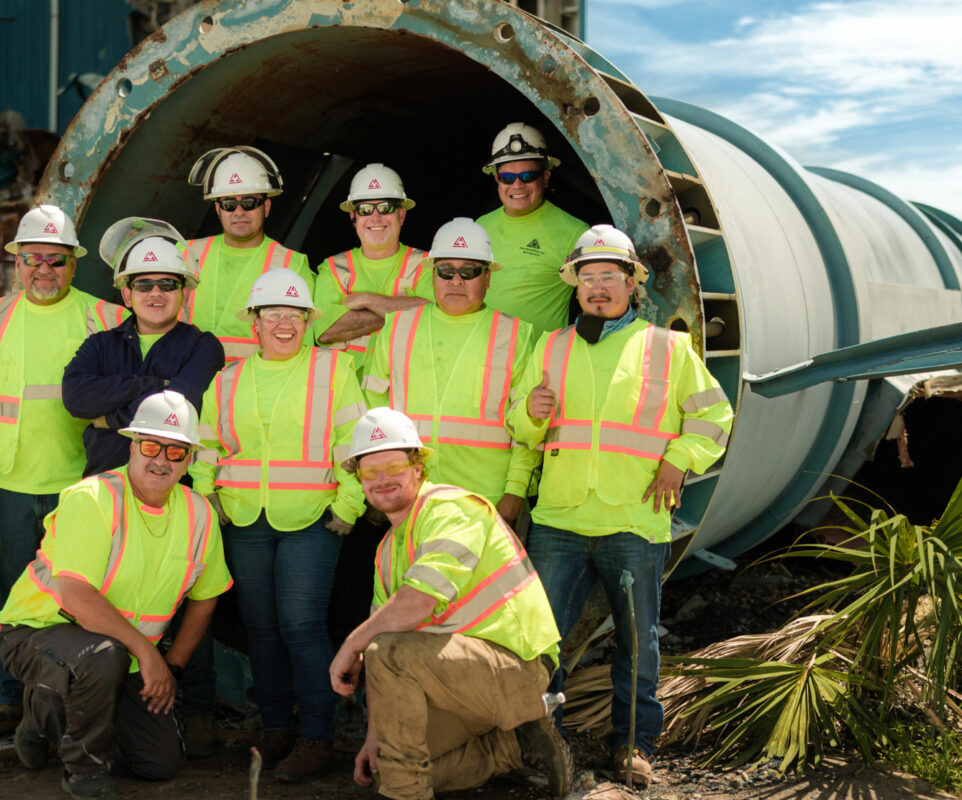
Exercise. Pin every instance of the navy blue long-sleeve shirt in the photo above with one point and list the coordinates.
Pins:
(109, 378)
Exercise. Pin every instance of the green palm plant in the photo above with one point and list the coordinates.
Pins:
(894, 616)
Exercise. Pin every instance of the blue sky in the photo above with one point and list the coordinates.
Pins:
(871, 87)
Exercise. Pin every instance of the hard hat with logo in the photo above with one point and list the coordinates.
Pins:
(138, 245)
(46, 225)
(518, 142)
(604, 243)
(462, 237)
(383, 429)
(279, 287)
(168, 414)
(229, 171)
(376, 182)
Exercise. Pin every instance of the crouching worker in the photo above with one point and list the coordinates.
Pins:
(120, 553)
(461, 643)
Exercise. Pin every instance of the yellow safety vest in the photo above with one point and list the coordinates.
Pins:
(153, 625)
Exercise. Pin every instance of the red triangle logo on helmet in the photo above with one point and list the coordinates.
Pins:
(235, 178)
(374, 184)
(459, 242)
(291, 292)
(172, 420)
(601, 242)
(51, 228)
(150, 256)
(377, 434)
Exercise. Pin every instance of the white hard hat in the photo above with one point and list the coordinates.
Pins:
(168, 414)
(462, 237)
(518, 142)
(141, 245)
(376, 182)
(604, 243)
(382, 429)
(279, 287)
(46, 225)
(229, 171)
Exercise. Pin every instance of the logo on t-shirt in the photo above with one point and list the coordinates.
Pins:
(51, 228)
(235, 178)
(291, 292)
(376, 434)
(150, 256)
(172, 420)
(374, 184)
(459, 242)
(532, 248)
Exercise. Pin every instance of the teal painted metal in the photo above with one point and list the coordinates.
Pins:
(909, 353)
(950, 225)
(905, 211)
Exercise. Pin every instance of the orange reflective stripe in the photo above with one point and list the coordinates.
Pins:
(659, 344)
(9, 409)
(208, 242)
(408, 276)
(238, 347)
(403, 331)
(473, 433)
(703, 427)
(114, 482)
(342, 268)
(619, 438)
(7, 305)
(225, 404)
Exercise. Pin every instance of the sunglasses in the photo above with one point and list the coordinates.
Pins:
(247, 203)
(528, 176)
(274, 316)
(164, 284)
(54, 259)
(446, 273)
(369, 472)
(173, 452)
(383, 208)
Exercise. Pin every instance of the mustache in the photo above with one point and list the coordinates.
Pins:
(159, 469)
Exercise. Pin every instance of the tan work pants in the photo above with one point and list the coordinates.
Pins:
(444, 708)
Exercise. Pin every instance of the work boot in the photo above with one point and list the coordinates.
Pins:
(544, 749)
(200, 739)
(274, 746)
(32, 749)
(310, 759)
(640, 768)
(10, 716)
(84, 785)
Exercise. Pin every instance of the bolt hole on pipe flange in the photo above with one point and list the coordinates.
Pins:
(591, 106)
(65, 170)
(503, 33)
(205, 25)
(678, 324)
(124, 87)
(652, 208)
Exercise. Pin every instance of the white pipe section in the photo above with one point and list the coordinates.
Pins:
(54, 64)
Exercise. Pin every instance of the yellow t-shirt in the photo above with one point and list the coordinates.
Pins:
(148, 340)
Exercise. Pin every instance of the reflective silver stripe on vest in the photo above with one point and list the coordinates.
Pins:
(36, 391)
(238, 350)
(449, 547)
(700, 400)
(629, 442)
(225, 379)
(279, 257)
(9, 406)
(372, 383)
(434, 579)
(702, 427)
(151, 626)
(9, 409)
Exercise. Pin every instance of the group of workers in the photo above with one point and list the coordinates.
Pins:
(360, 490)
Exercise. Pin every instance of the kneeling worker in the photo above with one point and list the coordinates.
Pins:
(461, 644)
(81, 624)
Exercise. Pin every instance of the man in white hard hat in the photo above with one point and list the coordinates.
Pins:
(114, 371)
(530, 235)
(358, 288)
(41, 449)
(476, 356)
(623, 409)
(241, 181)
(460, 645)
(123, 549)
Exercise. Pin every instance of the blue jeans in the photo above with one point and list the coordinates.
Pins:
(568, 565)
(283, 582)
(21, 529)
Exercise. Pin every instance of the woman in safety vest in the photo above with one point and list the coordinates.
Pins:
(275, 427)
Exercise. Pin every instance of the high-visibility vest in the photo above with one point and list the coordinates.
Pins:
(502, 582)
(100, 315)
(152, 625)
(304, 443)
(636, 426)
(342, 268)
(235, 347)
(487, 428)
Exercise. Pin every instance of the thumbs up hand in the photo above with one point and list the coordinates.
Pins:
(541, 399)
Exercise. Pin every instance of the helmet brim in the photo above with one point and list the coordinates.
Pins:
(132, 433)
(14, 247)
(349, 464)
(494, 266)
(249, 314)
(492, 166)
(348, 205)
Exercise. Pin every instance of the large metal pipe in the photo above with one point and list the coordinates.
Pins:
(793, 262)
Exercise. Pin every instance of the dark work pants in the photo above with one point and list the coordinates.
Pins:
(81, 695)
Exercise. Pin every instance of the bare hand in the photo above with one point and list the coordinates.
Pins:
(365, 762)
(159, 685)
(541, 399)
(509, 507)
(100, 422)
(345, 670)
(359, 301)
(666, 487)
